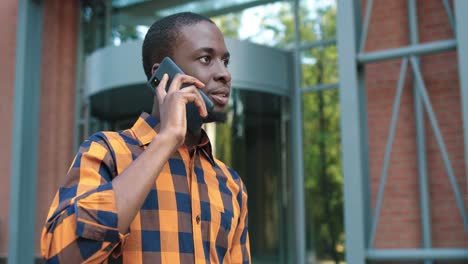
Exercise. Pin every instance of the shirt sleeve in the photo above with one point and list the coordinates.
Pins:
(240, 251)
(82, 220)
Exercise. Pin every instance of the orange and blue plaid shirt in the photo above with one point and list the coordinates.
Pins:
(196, 211)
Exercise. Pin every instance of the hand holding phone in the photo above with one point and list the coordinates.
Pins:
(168, 66)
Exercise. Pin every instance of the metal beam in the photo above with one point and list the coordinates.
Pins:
(22, 215)
(420, 140)
(461, 11)
(312, 45)
(365, 27)
(388, 151)
(352, 138)
(451, 19)
(236, 8)
(416, 254)
(415, 50)
(439, 139)
(147, 8)
(297, 148)
(320, 87)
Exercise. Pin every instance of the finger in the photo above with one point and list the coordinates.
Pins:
(197, 99)
(161, 89)
(193, 98)
(180, 79)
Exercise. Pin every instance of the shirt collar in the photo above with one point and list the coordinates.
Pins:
(145, 130)
(205, 147)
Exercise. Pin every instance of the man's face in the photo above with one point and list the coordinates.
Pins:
(202, 53)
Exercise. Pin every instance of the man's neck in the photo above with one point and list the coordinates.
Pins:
(192, 140)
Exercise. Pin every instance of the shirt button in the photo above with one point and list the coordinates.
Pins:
(197, 219)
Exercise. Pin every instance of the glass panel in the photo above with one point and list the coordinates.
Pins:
(252, 142)
(270, 24)
(93, 25)
(318, 20)
(319, 66)
(322, 159)
(323, 177)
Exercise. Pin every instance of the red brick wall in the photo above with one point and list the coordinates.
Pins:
(7, 80)
(57, 102)
(399, 225)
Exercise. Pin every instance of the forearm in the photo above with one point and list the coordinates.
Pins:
(132, 186)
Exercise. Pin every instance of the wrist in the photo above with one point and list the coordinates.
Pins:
(165, 141)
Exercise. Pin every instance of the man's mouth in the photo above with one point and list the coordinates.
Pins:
(220, 98)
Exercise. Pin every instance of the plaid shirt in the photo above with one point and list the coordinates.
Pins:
(196, 211)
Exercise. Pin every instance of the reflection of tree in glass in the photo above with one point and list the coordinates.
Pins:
(123, 33)
(229, 24)
(323, 175)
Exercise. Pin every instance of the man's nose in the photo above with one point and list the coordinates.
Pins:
(222, 73)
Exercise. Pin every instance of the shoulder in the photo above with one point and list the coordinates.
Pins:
(232, 175)
(107, 145)
(111, 139)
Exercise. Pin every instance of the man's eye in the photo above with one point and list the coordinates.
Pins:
(205, 59)
(226, 62)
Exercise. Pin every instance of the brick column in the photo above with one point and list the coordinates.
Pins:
(57, 102)
(8, 10)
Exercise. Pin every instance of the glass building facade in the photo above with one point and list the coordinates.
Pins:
(369, 167)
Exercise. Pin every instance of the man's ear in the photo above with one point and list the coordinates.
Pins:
(154, 68)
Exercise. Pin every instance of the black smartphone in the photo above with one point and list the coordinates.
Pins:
(194, 120)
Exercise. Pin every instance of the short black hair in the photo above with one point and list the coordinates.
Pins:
(162, 37)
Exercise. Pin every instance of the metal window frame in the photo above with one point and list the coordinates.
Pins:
(297, 147)
(353, 142)
(24, 159)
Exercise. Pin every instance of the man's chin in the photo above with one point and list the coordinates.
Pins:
(216, 116)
